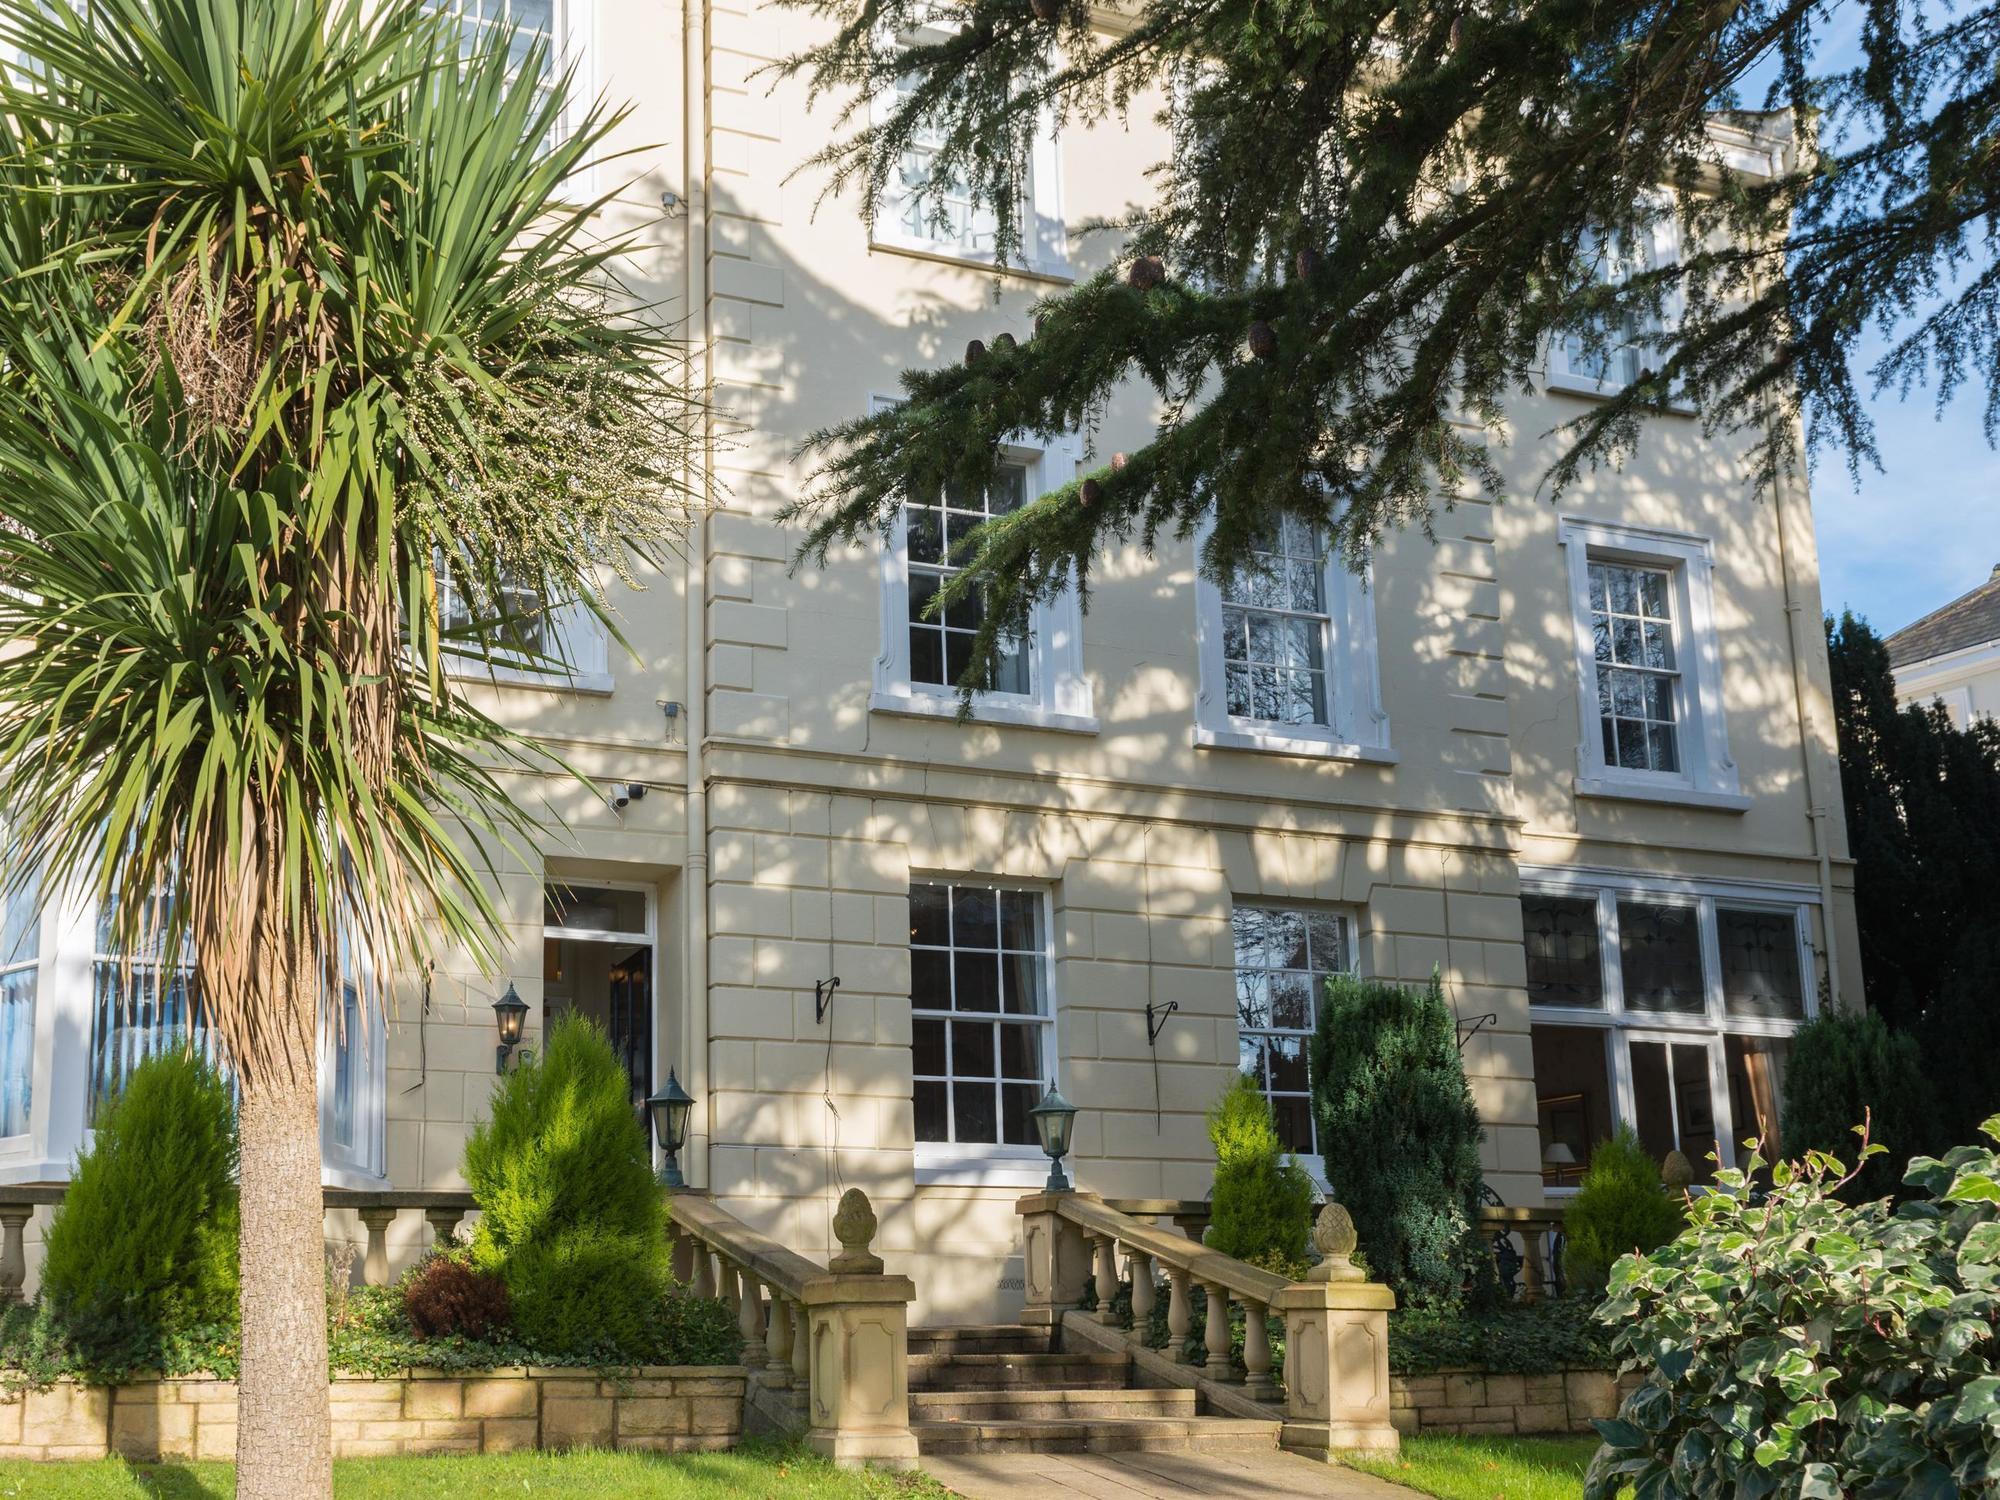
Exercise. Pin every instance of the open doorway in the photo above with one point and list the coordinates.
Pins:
(597, 961)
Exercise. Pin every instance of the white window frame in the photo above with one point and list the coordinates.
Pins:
(1044, 249)
(361, 1163)
(1714, 1025)
(571, 44)
(1059, 696)
(978, 1164)
(1350, 935)
(583, 644)
(1359, 727)
(1662, 248)
(1708, 776)
(65, 1005)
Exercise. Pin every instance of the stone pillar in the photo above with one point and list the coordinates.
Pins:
(14, 1250)
(375, 1262)
(1336, 1350)
(858, 1406)
(1056, 1258)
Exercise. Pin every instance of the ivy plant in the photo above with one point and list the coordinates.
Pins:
(1795, 1345)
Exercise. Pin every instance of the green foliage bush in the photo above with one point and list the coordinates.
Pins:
(445, 1294)
(1795, 1344)
(1401, 1136)
(1519, 1338)
(572, 1218)
(1261, 1206)
(1846, 1066)
(1619, 1207)
(144, 1244)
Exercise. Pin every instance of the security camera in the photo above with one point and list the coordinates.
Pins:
(632, 791)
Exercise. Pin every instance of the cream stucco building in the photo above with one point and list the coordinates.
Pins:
(1631, 873)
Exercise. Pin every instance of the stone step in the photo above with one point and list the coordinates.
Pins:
(1099, 1435)
(1047, 1405)
(992, 1338)
(989, 1372)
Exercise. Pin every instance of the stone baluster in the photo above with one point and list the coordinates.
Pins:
(14, 1250)
(1180, 1315)
(444, 1225)
(1106, 1258)
(1534, 1277)
(802, 1343)
(703, 1282)
(778, 1344)
(750, 1321)
(1257, 1381)
(375, 1262)
(729, 1288)
(1144, 1294)
(1218, 1366)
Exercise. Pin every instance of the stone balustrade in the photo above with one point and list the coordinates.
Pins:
(1335, 1387)
(1533, 1237)
(827, 1346)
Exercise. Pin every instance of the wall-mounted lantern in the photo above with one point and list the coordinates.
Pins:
(670, 1109)
(510, 1012)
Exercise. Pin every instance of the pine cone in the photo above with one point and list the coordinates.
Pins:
(1457, 32)
(975, 352)
(1002, 342)
(1263, 340)
(1090, 492)
(1307, 264)
(1147, 272)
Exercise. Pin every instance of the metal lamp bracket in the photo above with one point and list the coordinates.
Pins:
(1156, 1020)
(1471, 1026)
(823, 998)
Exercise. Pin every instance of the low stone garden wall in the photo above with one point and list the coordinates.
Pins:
(665, 1408)
(1472, 1402)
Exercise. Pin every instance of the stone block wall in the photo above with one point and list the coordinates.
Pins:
(1474, 1403)
(663, 1408)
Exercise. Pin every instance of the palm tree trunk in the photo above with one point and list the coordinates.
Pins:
(284, 1439)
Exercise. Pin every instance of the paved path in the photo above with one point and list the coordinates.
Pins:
(1153, 1476)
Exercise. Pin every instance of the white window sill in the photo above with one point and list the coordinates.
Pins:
(352, 1180)
(1291, 742)
(1582, 385)
(592, 684)
(998, 1167)
(946, 253)
(1018, 714)
(1679, 794)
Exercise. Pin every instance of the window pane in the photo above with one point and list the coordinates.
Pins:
(1760, 963)
(1757, 1090)
(1633, 636)
(1021, 921)
(1283, 958)
(1675, 1103)
(592, 908)
(1021, 984)
(927, 1048)
(1295, 1124)
(1016, 1099)
(930, 980)
(1660, 952)
(929, 915)
(1564, 966)
(976, 981)
(974, 918)
(1572, 1098)
(17, 1049)
(1275, 622)
(974, 1119)
(972, 1049)
(1021, 1051)
(930, 1112)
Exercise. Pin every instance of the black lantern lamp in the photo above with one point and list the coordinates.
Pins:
(1055, 1119)
(670, 1109)
(509, 1012)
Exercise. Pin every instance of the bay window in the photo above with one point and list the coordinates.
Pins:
(1668, 1006)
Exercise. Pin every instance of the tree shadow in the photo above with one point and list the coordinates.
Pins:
(170, 1481)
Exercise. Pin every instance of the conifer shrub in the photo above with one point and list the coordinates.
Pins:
(1620, 1208)
(1261, 1207)
(571, 1218)
(145, 1241)
(1847, 1066)
(446, 1296)
(1400, 1135)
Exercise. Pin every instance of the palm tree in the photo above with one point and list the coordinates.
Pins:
(294, 316)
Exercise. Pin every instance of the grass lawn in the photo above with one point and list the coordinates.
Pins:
(1472, 1468)
(753, 1471)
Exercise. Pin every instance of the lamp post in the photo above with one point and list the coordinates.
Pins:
(509, 1012)
(1055, 1119)
(670, 1108)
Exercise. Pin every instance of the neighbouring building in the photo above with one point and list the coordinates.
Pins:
(1952, 655)
(1576, 758)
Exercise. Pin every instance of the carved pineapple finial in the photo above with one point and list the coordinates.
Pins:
(1334, 1238)
(854, 1225)
(1677, 1172)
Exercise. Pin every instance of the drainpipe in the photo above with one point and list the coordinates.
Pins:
(694, 879)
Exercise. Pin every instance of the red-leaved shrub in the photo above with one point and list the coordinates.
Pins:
(445, 1296)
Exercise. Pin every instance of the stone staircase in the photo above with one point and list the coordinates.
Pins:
(1011, 1388)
